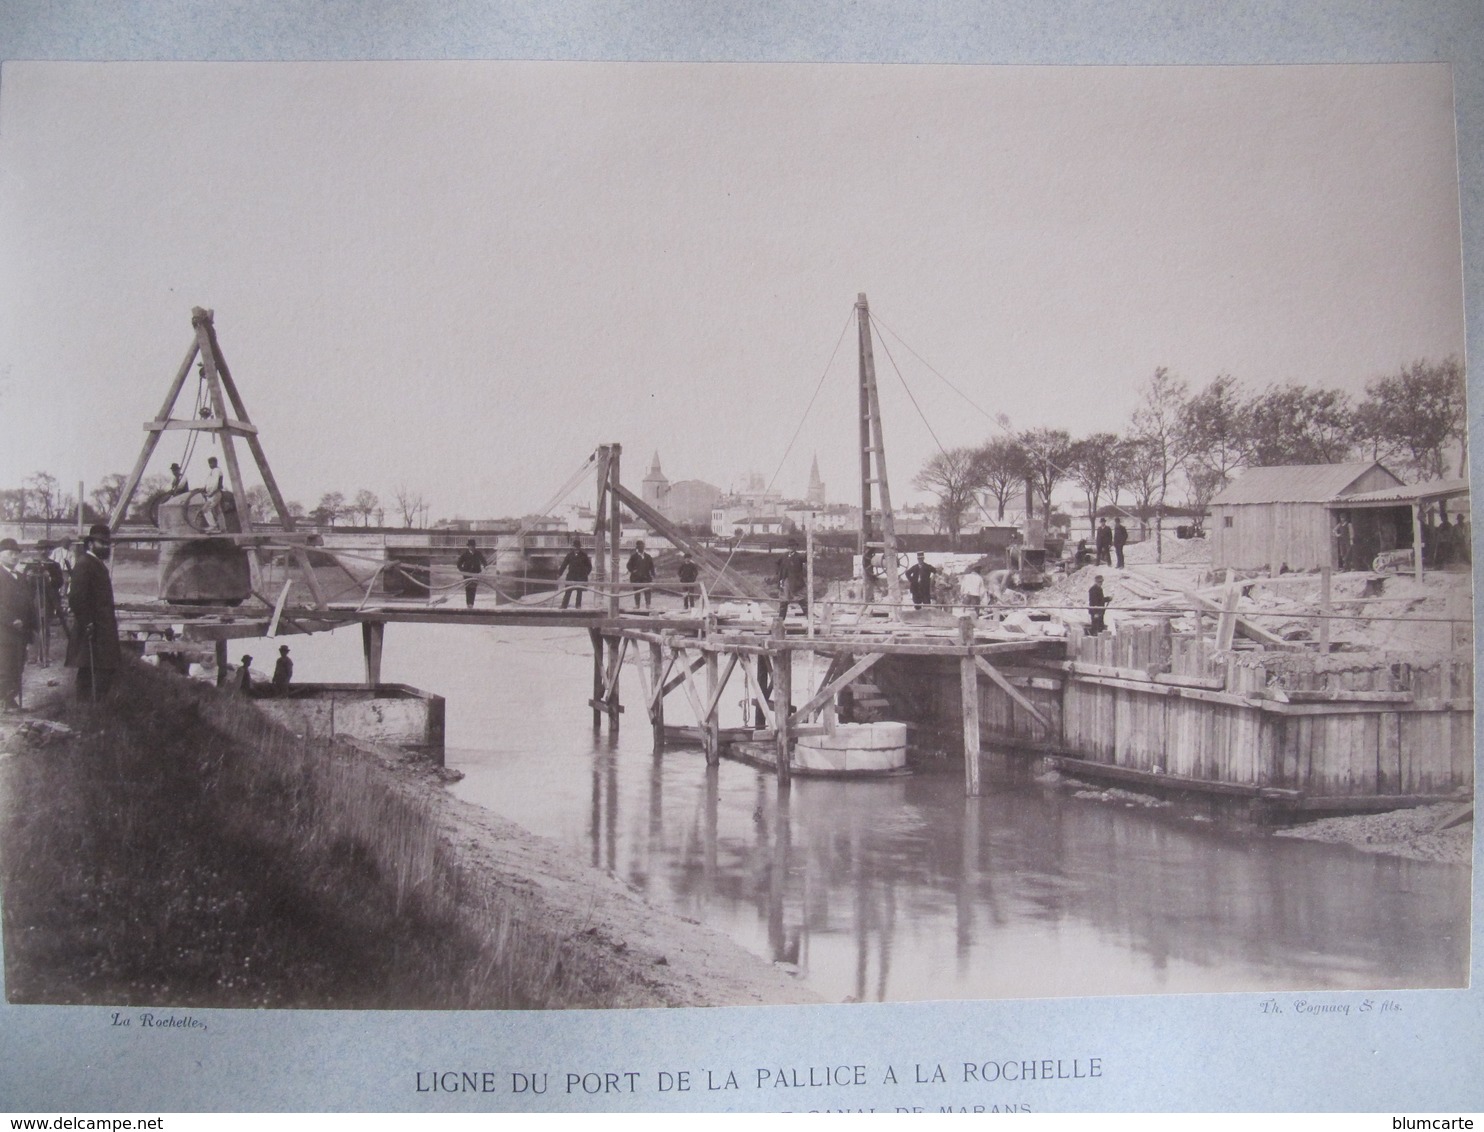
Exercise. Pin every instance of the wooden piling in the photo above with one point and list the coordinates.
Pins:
(782, 664)
(221, 664)
(711, 724)
(657, 702)
(372, 635)
(597, 700)
(968, 682)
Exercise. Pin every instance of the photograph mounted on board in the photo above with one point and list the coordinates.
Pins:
(506, 602)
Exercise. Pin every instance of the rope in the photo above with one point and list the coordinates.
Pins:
(1000, 420)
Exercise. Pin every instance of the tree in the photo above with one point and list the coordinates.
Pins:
(1204, 481)
(1157, 425)
(1213, 432)
(411, 504)
(260, 507)
(952, 477)
(105, 497)
(12, 504)
(1294, 424)
(331, 507)
(1048, 454)
(365, 504)
(1093, 461)
(1141, 471)
(1001, 470)
(1417, 413)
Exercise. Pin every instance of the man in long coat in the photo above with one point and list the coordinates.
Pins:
(93, 649)
(17, 624)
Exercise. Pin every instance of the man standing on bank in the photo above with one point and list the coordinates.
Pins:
(920, 581)
(793, 580)
(1103, 541)
(93, 648)
(1097, 602)
(471, 564)
(1120, 539)
(641, 572)
(576, 567)
(17, 624)
(283, 672)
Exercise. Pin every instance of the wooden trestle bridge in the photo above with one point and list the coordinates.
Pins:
(696, 654)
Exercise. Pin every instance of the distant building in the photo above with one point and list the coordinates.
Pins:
(814, 495)
(656, 489)
(691, 502)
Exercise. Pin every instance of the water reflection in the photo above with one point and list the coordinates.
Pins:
(903, 888)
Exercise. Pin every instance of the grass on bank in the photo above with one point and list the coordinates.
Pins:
(184, 850)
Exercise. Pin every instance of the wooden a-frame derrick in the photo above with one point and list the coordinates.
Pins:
(221, 390)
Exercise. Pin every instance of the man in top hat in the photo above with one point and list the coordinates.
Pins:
(93, 648)
(17, 623)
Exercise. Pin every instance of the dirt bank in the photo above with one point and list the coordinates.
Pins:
(1442, 832)
(362, 844)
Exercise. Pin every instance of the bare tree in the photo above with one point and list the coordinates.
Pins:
(1001, 470)
(953, 478)
(365, 504)
(410, 504)
(260, 507)
(1158, 426)
(105, 497)
(1094, 459)
(1048, 458)
(331, 507)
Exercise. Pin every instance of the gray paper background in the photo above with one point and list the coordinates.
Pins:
(1177, 1052)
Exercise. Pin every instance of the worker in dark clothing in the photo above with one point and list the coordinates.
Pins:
(17, 624)
(920, 581)
(793, 583)
(688, 572)
(1103, 541)
(1097, 602)
(93, 649)
(283, 672)
(576, 567)
(1120, 540)
(471, 564)
(244, 676)
(641, 572)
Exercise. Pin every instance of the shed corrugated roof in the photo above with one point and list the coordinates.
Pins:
(1422, 492)
(1293, 483)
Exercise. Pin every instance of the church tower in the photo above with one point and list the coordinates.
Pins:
(815, 495)
(656, 490)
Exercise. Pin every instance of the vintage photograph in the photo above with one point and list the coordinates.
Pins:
(484, 536)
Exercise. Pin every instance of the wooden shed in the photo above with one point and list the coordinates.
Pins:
(1271, 518)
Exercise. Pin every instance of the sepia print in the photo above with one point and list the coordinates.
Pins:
(628, 535)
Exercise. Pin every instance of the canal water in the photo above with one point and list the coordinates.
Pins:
(903, 889)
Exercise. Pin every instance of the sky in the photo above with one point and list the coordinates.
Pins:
(461, 277)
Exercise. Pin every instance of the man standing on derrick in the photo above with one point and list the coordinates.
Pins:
(93, 648)
(471, 564)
